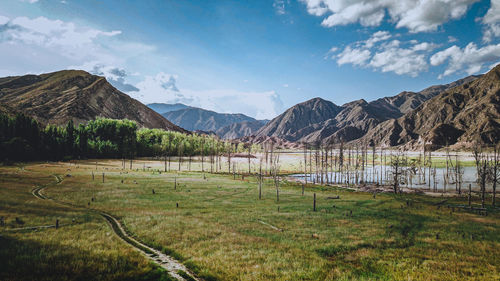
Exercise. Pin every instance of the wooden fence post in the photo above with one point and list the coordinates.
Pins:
(314, 203)
(470, 191)
(260, 187)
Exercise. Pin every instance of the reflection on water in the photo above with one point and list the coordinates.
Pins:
(433, 179)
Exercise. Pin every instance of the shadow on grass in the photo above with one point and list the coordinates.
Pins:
(31, 260)
(404, 233)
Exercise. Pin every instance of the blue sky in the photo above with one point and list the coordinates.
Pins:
(253, 57)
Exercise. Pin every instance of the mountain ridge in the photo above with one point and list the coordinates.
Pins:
(225, 125)
(57, 97)
(459, 116)
(350, 121)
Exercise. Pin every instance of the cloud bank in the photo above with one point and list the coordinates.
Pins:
(162, 88)
(416, 16)
(49, 45)
(382, 52)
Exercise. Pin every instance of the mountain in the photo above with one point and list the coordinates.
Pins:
(288, 125)
(405, 101)
(318, 120)
(193, 118)
(241, 129)
(56, 98)
(165, 107)
(352, 122)
(458, 116)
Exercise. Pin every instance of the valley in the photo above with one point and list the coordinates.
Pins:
(216, 225)
(275, 140)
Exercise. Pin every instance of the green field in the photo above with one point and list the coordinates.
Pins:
(222, 231)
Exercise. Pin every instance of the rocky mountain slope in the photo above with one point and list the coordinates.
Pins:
(458, 116)
(405, 101)
(55, 98)
(318, 120)
(290, 124)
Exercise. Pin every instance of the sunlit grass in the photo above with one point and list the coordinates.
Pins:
(216, 229)
(82, 248)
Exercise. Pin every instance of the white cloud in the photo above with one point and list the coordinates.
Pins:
(407, 58)
(159, 86)
(425, 46)
(393, 58)
(353, 56)
(51, 33)
(162, 88)
(377, 37)
(38, 45)
(333, 49)
(115, 75)
(285, 85)
(416, 16)
(471, 58)
(280, 6)
(330, 52)
(41, 44)
(29, 1)
(3, 20)
(492, 21)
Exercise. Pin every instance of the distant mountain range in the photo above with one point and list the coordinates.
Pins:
(165, 107)
(457, 114)
(55, 98)
(225, 125)
(319, 121)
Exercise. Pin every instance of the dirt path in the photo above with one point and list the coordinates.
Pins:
(165, 261)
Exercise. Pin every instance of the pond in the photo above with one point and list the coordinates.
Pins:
(434, 179)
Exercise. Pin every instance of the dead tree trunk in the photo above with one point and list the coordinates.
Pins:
(260, 180)
(470, 193)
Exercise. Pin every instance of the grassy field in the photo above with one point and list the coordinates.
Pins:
(219, 228)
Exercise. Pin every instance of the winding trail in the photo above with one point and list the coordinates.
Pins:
(171, 265)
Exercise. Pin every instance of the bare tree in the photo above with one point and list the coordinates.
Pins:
(305, 161)
(260, 180)
(275, 172)
(481, 162)
(202, 153)
(341, 159)
(495, 171)
(249, 154)
(398, 166)
(229, 158)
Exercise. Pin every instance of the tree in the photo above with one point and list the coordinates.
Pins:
(495, 171)
(481, 162)
(70, 138)
(398, 166)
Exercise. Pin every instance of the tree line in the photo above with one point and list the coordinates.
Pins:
(22, 138)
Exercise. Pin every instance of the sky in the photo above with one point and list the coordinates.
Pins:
(253, 57)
